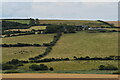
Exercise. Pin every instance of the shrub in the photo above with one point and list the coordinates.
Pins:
(11, 71)
(38, 67)
(35, 67)
(51, 69)
(118, 72)
(108, 67)
(8, 67)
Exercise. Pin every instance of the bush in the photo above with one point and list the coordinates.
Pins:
(118, 72)
(108, 67)
(51, 69)
(11, 71)
(8, 67)
(38, 67)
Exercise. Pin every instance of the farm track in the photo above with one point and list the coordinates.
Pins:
(55, 75)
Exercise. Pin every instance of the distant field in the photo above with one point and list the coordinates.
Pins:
(85, 44)
(21, 53)
(29, 29)
(74, 22)
(38, 27)
(20, 21)
(114, 22)
(30, 39)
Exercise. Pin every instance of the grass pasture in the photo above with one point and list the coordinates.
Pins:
(30, 39)
(21, 53)
(85, 44)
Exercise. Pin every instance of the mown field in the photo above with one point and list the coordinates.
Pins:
(85, 44)
(30, 39)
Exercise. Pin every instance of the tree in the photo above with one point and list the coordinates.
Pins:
(51, 69)
(8, 66)
(32, 22)
(37, 22)
(34, 67)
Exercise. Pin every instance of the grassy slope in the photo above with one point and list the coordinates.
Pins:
(30, 39)
(21, 53)
(85, 44)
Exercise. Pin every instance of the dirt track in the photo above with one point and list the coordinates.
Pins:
(55, 75)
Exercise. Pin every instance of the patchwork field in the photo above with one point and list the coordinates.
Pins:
(30, 39)
(85, 44)
(21, 53)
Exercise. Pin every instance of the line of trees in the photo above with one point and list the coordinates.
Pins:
(19, 45)
(97, 58)
(111, 25)
(49, 47)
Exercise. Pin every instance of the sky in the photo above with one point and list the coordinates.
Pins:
(61, 10)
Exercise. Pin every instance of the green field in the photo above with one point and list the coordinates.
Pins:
(21, 53)
(30, 39)
(85, 44)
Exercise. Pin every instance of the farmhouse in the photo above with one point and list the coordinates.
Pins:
(82, 27)
(99, 29)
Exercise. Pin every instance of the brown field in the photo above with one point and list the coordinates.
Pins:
(114, 22)
(55, 75)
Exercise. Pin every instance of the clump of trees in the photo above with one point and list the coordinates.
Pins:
(61, 28)
(41, 67)
(108, 67)
(34, 22)
(13, 64)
